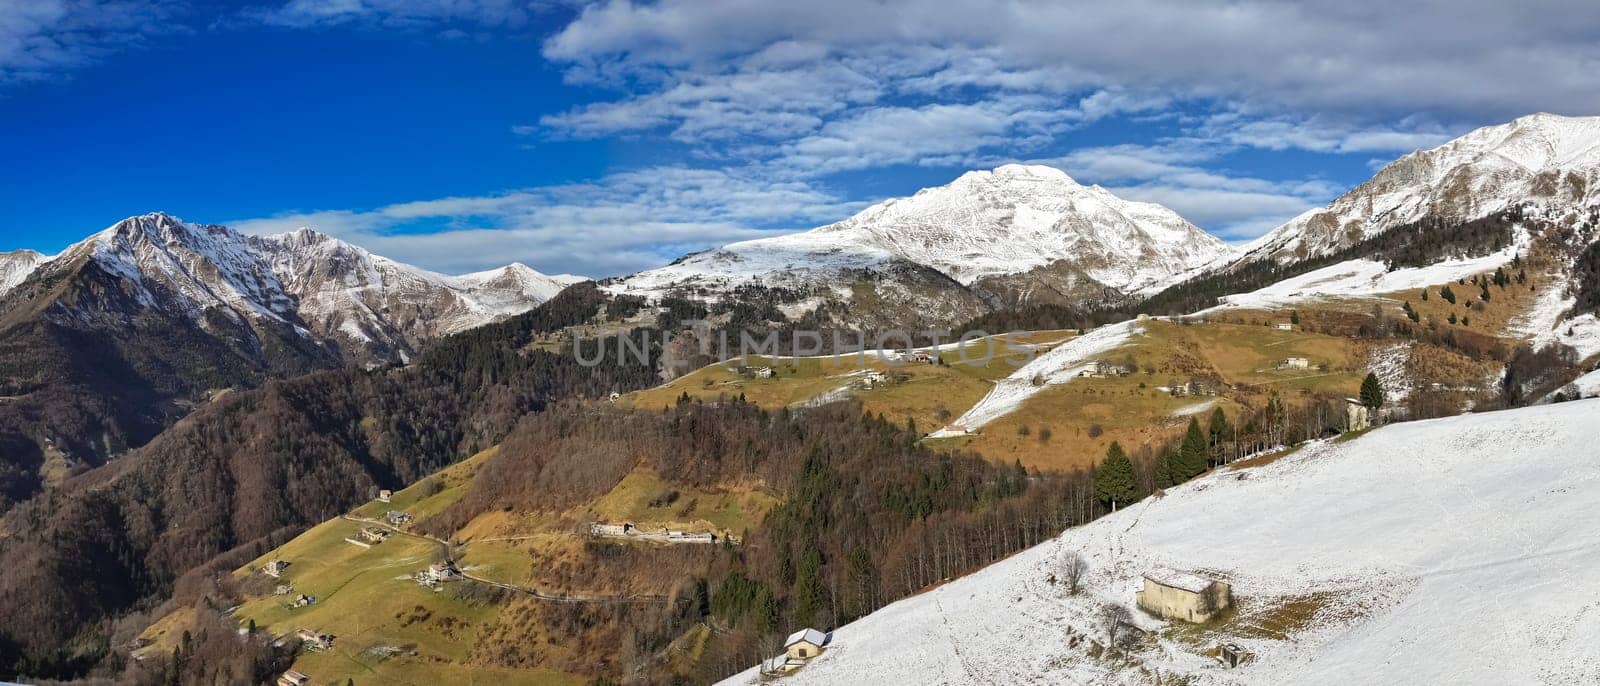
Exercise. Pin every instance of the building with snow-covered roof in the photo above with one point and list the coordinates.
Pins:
(1171, 594)
(806, 644)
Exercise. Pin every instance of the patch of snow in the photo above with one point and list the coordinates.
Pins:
(1194, 409)
(1458, 550)
(1060, 365)
(1359, 278)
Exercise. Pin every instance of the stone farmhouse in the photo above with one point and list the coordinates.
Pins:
(1175, 595)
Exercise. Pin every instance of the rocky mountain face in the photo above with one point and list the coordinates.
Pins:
(1015, 235)
(1545, 160)
(107, 344)
(16, 266)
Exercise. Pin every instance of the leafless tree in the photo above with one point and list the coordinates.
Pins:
(1070, 568)
(1115, 619)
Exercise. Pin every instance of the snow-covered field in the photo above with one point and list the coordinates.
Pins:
(1058, 366)
(1451, 551)
(1370, 277)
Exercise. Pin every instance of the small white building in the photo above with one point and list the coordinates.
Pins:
(1357, 416)
(294, 678)
(803, 645)
(1295, 363)
(763, 372)
(1285, 326)
(384, 495)
(274, 568)
(397, 518)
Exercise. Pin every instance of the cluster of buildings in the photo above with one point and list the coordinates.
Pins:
(629, 531)
(1101, 370)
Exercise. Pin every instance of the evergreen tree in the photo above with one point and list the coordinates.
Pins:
(1448, 295)
(1167, 469)
(1372, 392)
(810, 595)
(862, 583)
(1192, 454)
(1218, 430)
(1115, 483)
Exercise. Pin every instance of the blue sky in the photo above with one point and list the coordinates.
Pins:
(602, 138)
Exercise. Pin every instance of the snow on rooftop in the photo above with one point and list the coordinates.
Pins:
(1186, 581)
(811, 636)
(1461, 550)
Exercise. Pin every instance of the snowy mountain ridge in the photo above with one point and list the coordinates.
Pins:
(1544, 159)
(1026, 222)
(376, 308)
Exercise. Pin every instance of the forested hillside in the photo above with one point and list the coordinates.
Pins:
(253, 467)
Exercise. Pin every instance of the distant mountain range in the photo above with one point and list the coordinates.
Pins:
(364, 306)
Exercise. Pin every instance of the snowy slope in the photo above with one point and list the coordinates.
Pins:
(986, 224)
(323, 287)
(1545, 159)
(1459, 550)
(1058, 366)
(1357, 278)
(16, 266)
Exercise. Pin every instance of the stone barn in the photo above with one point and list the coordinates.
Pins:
(1171, 594)
(1357, 417)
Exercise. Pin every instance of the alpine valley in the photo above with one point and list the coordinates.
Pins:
(1316, 457)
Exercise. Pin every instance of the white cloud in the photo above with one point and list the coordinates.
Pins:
(1482, 57)
(43, 38)
(618, 224)
(1174, 173)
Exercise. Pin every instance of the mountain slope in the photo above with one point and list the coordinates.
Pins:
(379, 308)
(1447, 551)
(1012, 235)
(1545, 159)
(113, 340)
(253, 462)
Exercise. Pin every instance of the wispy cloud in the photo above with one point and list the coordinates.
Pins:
(391, 13)
(40, 39)
(618, 224)
(1184, 174)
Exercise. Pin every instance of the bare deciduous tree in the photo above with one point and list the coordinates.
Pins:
(1070, 568)
(1115, 619)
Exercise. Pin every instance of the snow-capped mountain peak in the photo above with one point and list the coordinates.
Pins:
(15, 267)
(1544, 159)
(985, 230)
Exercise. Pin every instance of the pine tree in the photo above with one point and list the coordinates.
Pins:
(810, 595)
(1164, 470)
(1218, 430)
(1448, 295)
(1114, 482)
(1424, 295)
(1372, 392)
(1192, 455)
